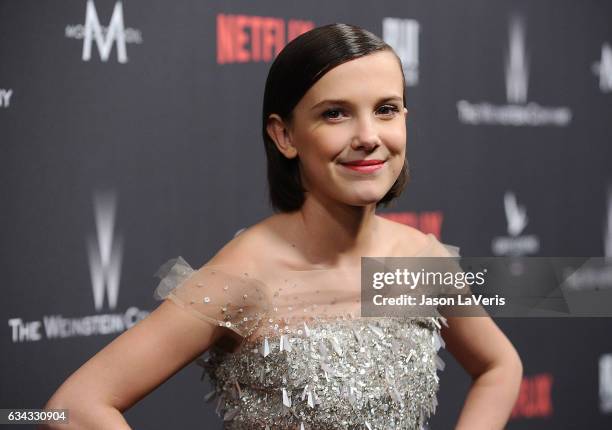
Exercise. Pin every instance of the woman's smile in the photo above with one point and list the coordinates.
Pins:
(365, 166)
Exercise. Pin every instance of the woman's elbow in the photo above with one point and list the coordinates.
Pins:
(506, 368)
(516, 363)
(84, 414)
(53, 404)
(513, 369)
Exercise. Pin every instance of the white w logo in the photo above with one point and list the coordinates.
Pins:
(608, 227)
(604, 68)
(517, 67)
(105, 253)
(605, 383)
(114, 33)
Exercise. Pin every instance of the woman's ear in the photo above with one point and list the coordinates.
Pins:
(281, 136)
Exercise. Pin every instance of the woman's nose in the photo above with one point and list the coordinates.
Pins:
(366, 135)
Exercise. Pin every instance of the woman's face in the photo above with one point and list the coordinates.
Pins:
(354, 112)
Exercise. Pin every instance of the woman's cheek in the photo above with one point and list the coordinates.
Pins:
(398, 138)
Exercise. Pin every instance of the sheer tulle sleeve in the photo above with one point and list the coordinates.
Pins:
(439, 249)
(216, 294)
(460, 287)
(450, 265)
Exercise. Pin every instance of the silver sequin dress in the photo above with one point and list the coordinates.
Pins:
(307, 360)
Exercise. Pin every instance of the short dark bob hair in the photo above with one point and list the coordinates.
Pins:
(300, 64)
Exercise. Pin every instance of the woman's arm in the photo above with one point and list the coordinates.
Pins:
(130, 367)
(494, 365)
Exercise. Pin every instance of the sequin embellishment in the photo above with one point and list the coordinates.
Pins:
(309, 372)
(345, 374)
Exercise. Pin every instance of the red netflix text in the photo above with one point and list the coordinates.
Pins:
(427, 222)
(534, 398)
(244, 39)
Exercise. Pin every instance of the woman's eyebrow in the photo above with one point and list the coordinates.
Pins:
(346, 102)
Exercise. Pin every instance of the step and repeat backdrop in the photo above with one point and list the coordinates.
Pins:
(130, 134)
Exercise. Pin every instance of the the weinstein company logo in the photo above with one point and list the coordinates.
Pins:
(517, 65)
(403, 36)
(608, 227)
(605, 383)
(603, 69)
(105, 255)
(518, 111)
(105, 252)
(5, 97)
(515, 243)
(597, 273)
(104, 36)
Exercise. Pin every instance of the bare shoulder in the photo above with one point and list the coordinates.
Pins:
(251, 249)
(407, 240)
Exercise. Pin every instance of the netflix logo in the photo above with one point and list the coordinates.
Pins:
(250, 39)
(427, 222)
(534, 398)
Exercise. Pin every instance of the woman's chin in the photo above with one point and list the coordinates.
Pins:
(365, 200)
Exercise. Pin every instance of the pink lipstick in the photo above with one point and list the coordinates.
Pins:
(364, 166)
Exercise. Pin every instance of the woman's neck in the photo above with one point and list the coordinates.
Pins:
(334, 235)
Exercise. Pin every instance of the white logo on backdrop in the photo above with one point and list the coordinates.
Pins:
(5, 97)
(608, 227)
(515, 243)
(605, 383)
(516, 215)
(403, 36)
(105, 37)
(518, 111)
(517, 68)
(598, 274)
(105, 252)
(603, 69)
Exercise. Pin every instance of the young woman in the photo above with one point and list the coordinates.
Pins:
(278, 307)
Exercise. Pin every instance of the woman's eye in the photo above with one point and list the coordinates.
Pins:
(332, 113)
(388, 109)
(337, 113)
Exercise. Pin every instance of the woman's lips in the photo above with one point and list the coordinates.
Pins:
(365, 168)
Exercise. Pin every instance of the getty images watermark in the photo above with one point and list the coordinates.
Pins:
(481, 286)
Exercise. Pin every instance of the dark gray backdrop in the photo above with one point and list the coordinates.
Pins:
(174, 137)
